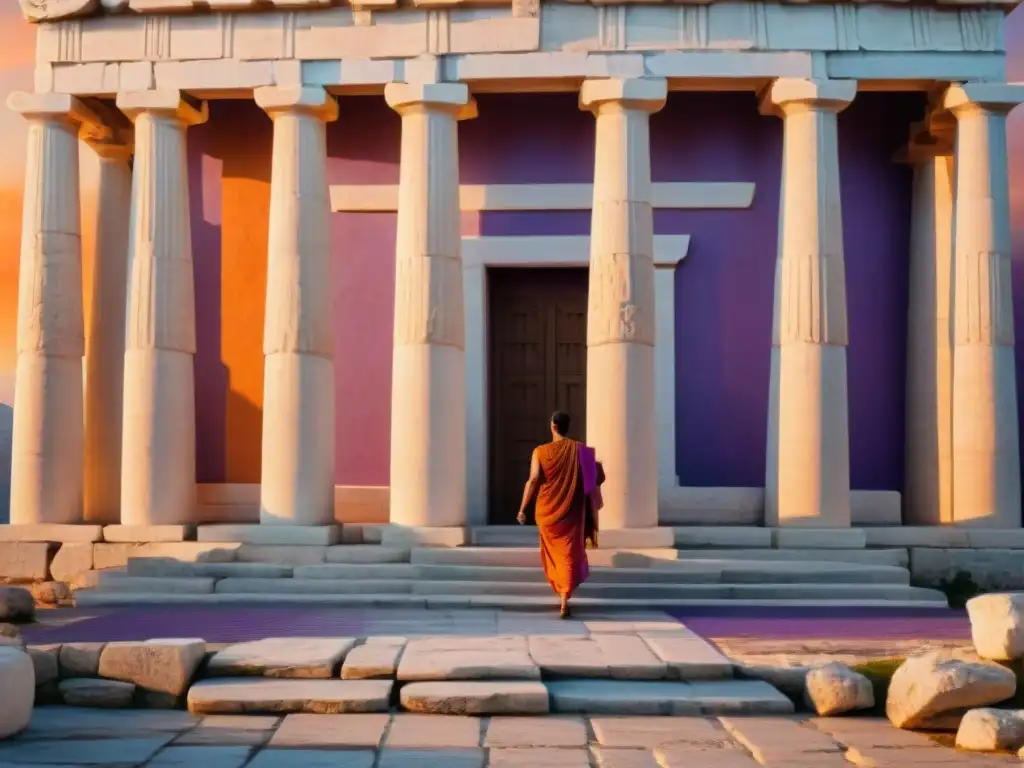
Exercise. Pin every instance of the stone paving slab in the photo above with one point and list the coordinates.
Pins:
(234, 695)
(518, 757)
(430, 732)
(688, 757)
(294, 657)
(372, 661)
(443, 758)
(312, 758)
(230, 730)
(100, 752)
(317, 731)
(605, 757)
(76, 723)
(666, 698)
(467, 658)
(651, 732)
(201, 757)
(536, 732)
(478, 697)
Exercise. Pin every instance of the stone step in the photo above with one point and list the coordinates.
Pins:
(91, 598)
(158, 567)
(263, 695)
(620, 697)
(526, 557)
(117, 581)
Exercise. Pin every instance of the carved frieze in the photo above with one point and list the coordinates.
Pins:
(691, 10)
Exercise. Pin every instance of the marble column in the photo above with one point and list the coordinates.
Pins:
(428, 395)
(928, 478)
(621, 418)
(158, 436)
(986, 463)
(47, 448)
(104, 348)
(297, 483)
(808, 452)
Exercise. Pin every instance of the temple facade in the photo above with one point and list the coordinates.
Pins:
(349, 259)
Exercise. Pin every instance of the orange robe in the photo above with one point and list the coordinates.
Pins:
(563, 517)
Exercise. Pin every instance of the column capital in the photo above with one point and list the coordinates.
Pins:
(312, 100)
(406, 98)
(166, 103)
(935, 136)
(645, 93)
(999, 98)
(57, 107)
(796, 93)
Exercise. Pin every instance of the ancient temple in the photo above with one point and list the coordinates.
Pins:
(350, 258)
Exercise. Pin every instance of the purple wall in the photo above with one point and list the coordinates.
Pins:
(723, 289)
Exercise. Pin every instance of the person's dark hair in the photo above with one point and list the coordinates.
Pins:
(561, 420)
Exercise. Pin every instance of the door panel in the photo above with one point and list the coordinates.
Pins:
(537, 365)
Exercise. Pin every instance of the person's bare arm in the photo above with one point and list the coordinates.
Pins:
(531, 487)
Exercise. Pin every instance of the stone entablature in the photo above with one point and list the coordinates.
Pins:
(342, 47)
(53, 10)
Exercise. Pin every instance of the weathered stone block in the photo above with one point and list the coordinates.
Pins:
(933, 685)
(45, 661)
(144, 534)
(91, 692)
(833, 689)
(71, 561)
(467, 658)
(264, 695)
(25, 561)
(52, 533)
(990, 569)
(16, 604)
(294, 657)
(80, 659)
(162, 667)
(997, 625)
(51, 592)
(372, 661)
(991, 730)
(18, 683)
(497, 697)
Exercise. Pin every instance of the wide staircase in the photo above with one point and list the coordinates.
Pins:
(502, 570)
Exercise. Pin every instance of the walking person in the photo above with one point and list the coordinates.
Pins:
(566, 478)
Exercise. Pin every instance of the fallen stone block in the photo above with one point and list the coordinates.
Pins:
(372, 661)
(71, 561)
(16, 605)
(991, 730)
(486, 697)
(80, 659)
(9, 631)
(467, 658)
(45, 662)
(18, 684)
(51, 592)
(159, 667)
(91, 692)
(622, 697)
(932, 685)
(269, 696)
(834, 688)
(997, 625)
(295, 657)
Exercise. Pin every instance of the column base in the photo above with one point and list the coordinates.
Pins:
(636, 538)
(145, 534)
(309, 535)
(418, 536)
(52, 532)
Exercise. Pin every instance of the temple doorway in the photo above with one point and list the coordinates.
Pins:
(537, 363)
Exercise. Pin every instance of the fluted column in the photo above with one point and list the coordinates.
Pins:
(928, 469)
(104, 348)
(986, 463)
(46, 454)
(158, 444)
(297, 484)
(808, 452)
(621, 418)
(428, 408)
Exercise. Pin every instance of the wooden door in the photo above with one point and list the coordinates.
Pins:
(537, 365)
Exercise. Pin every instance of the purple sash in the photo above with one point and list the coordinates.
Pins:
(588, 469)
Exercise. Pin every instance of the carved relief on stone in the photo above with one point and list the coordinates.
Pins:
(428, 300)
(811, 300)
(621, 307)
(51, 10)
(983, 301)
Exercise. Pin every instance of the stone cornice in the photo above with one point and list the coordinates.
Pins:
(55, 10)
